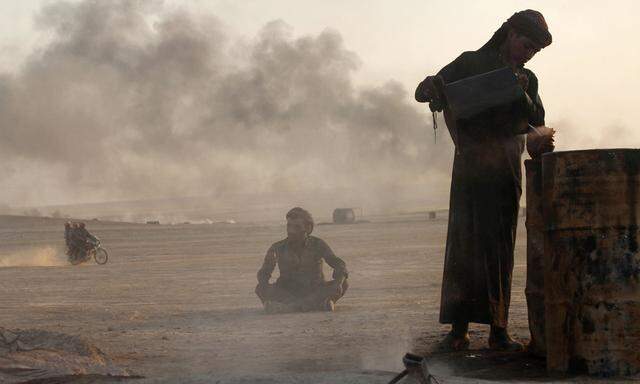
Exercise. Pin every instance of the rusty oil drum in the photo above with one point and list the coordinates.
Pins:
(534, 290)
(592, 265)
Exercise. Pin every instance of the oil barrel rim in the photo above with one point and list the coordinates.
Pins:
(597, 150)
(587, 228)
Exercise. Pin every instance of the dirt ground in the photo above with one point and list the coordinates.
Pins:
(175, 303)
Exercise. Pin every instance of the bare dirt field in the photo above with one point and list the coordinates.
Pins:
(175, 303)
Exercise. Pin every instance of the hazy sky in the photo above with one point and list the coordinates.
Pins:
(588, 76)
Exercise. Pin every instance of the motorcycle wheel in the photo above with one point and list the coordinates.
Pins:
(101, 256)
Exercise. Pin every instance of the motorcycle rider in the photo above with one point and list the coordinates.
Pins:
(85, 235)
(81, 239)
(67, 236)
(76, 247)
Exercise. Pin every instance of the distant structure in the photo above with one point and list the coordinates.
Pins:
(156, 222)
(344, 216)
(432, 215)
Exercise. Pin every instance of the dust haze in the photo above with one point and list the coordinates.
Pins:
(43, 256)
(129, 100)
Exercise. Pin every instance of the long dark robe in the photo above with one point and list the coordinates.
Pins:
(484, 201)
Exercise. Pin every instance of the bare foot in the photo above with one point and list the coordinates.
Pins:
(453, 343)
(499, 340)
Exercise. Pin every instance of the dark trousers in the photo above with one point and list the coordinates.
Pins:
(296, 295)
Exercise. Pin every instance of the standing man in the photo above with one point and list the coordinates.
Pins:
(300, 258)
(486, 183)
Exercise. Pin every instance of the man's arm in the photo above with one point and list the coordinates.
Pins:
(91, 237)
(338, 265)
(535, 108)
(541, 139)
(269, 264)
(430, 89)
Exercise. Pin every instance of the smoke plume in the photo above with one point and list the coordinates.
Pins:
(128, 100)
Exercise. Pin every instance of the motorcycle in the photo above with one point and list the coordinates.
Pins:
(92, 249)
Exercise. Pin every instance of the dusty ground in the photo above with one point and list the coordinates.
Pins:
(176, 303)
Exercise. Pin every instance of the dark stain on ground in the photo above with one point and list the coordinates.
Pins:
(486, 364)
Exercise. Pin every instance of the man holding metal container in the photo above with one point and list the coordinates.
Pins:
(490, 101)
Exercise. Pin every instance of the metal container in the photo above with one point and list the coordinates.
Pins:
(592, 265)
(344, 216)
(476, 94)
(534, 290)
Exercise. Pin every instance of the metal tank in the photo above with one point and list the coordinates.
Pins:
(344, 216)
(591, 261)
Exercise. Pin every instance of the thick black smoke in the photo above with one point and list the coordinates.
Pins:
(128, 101)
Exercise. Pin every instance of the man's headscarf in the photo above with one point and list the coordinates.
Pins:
(298, 212)
(528, 23)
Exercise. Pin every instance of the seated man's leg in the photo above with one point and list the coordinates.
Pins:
(329, 290)
(275, 298)
(338, 294)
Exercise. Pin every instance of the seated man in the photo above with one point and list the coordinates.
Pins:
(301, 285)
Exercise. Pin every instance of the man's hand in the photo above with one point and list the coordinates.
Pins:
(337, 284)
(540, 141)
(431, 90)
(434, 86)
(523, 80)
